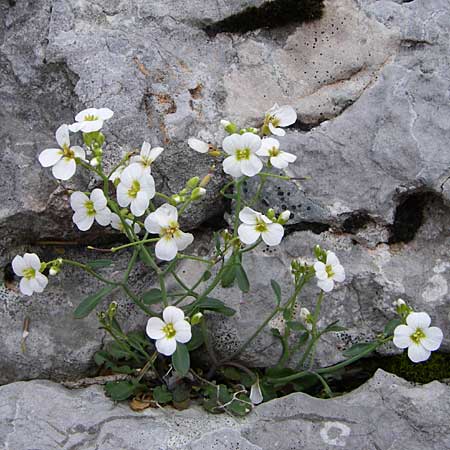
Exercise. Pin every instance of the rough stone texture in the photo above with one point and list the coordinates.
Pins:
(369, 81)
(386, 413)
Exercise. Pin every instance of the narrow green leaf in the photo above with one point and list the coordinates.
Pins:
(277, 290)
(99, 263)
(391, 326)
(181, 360)
(242, 279)
(357, 349)
(90, 302)
(152, 296)
(211, 304)
(228, 276)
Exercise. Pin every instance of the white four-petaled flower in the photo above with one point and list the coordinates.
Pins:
(117, 224)
(242, 149)
(418, 337)
(147, 156)
(87, 209)
(90, 120)
(28, 267)
(167, 332)
(164, 221)
(136, 188)
(255, 225)
(329, 272)
(280, 116)
(62, 160)
(278, 158)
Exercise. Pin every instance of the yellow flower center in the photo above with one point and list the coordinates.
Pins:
(68, 152)
(29, 273)
(170, 231)
(260, 226)
(274, 121)
(243, 153)
(89, 205)
(134, 190)
(274, 151)
(169, 331)
(417, 336)
(90, 118)
(329, 270)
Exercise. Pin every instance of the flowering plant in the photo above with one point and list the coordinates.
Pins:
(126, 199)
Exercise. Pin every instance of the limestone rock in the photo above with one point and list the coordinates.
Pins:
(386, 413)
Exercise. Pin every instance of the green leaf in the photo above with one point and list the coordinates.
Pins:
(90, 302)
(240, 408)
(196, 340)
(228, 276)
(117, 351)
(242, 279)
(358, 348)
(296, 326)
(391, 326)
(231, 373)
(181, 360)
(152, 296)
(305, 383)
(101, 357)
(303, 338)
(99, 263)
(277, 290)
(213, 304)
(162, 395)
(207, 275)
(333, 327)
(122, 390)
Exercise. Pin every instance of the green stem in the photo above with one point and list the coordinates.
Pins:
(90, 271)
(315, 335)
(259, 190)
(147, 366)
(164, 197)
(136, 300)
(131, 244)
(272, 175)
(209, 349)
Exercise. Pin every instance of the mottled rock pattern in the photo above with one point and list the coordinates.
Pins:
(386, 413)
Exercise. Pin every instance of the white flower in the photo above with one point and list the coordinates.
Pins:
(256, 396)
(147, 155)
(117, 173)
(169, 331)
(198, 145)
(280, 116)
(418, 337)
(62, 160)
(136, 188)
(242, 149)
(304, 314)
(117, 224)
(164, 221)
(255, 225)
(87, 209)
(90, 120)
(28, 266)
(278, 158)
(329, 272)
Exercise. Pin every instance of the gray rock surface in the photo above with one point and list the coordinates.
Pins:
(386, 413)
(369, 81)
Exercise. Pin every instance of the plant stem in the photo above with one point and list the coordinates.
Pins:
(207, 342)
(90, 271)
(131, 244)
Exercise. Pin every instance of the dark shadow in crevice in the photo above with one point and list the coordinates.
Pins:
(315, 227)
(356, 221)
(271, 14)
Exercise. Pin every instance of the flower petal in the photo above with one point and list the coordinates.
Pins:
(166, 346)
(32, 260)
(326, 285)
(332, 258)
(50, 157)
(79, 152)
(78, 200)
(99, 199)
(232, 167)
(81, 116)
(172, 314)
(402, 335)
(64, 169)
(183, 329)
(166, 249)
(62, 136)
(25, 287)
(251, 166)
(75, 127)
(183, 239)
(433, 338)
(131, 173)
(139, 204)
(82, 220)
(248, 216)
(122, 195)
(276, 131)
(256, 396)
(18, 265)
(103, 217)
(231, 143)
(198, 145)
(321, 270)
(418, 353)
(339, 273)
(248, 234)
(104, 113)
(273, 235)
(91, 125)
(147, 183)
(154, 328)
(268, 144)
(155, 152)
(286, 115)
(115, 222)
(41, 282)
(251, 141)
(289, 157)
(279, 162)
(145, 149)
(418, 320)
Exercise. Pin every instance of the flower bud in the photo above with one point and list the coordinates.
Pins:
(270, 214)
(304, 314)
(229, 126)
(214, 152)
(95, 162)
(193, 182)
(183, 192)
(284, 217)
(398, 303)
(54, 270)
(256, 396)
(198, 193)
(196, 318)
(176, 199)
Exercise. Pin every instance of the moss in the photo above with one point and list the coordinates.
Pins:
(270, 14)
(436, 368)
